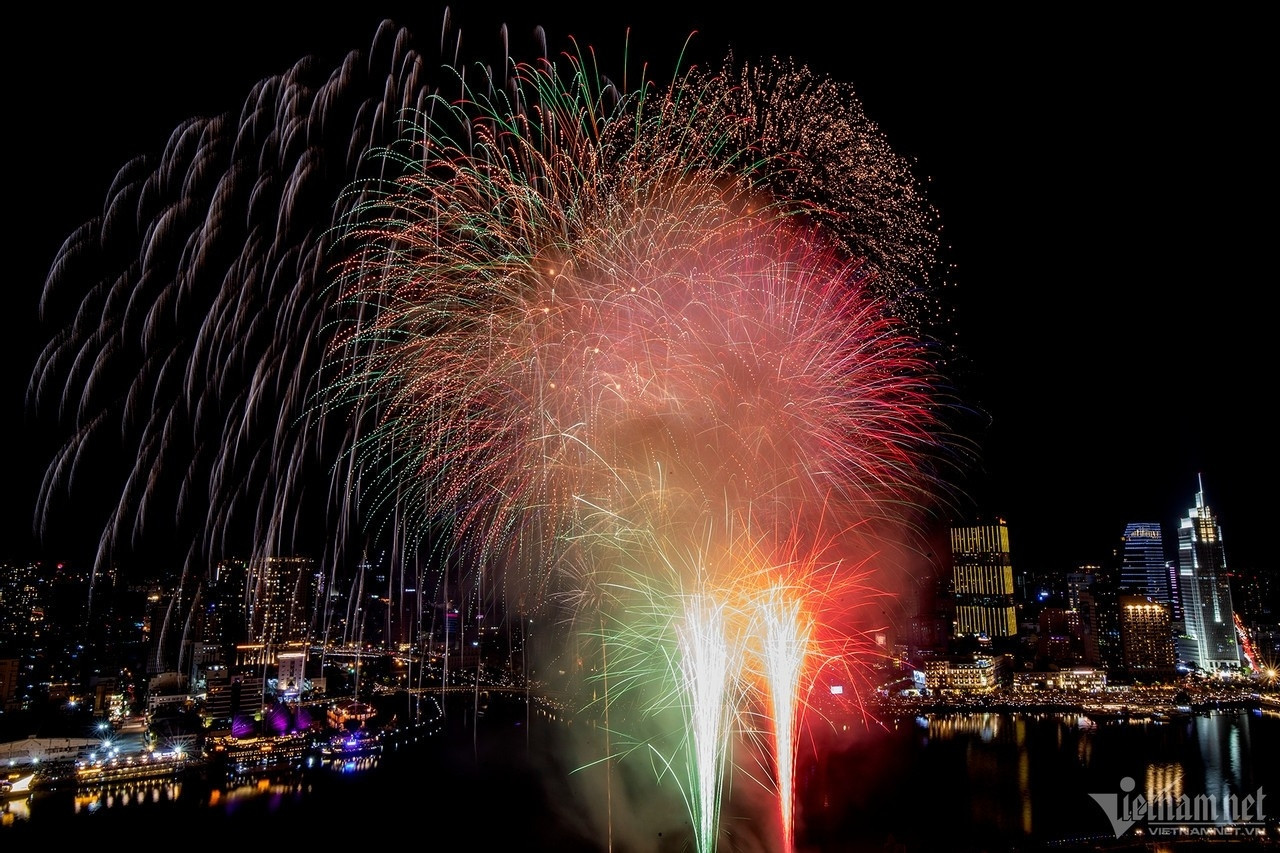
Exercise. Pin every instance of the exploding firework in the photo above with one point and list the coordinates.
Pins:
(715, 662)
(627, 359)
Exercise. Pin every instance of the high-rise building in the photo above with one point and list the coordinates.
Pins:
(1100, 623)
(982, 579)
(1206, 590)
(1146, 636)
(264, 603)
(1077, 581)
(1142, 562)
(226, 617)
(281, 592)
(1059, 639)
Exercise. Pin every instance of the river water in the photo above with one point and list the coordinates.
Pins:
(967, 782)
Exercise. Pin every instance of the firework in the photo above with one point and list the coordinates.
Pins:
(714, 658)
(594, 353)
(593, 313)
(784, 646)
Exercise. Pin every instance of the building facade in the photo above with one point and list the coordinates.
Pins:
(1208, 614)
(982, 580)
(1142, 562)
(1075, 680)
(977, 674)
(1146, 636)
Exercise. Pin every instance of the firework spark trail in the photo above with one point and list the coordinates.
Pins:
(678, 648)
(783, 648)
(191, 311)
(708, 661)
(207, 318)
(721, 644)
(569, 325)
(802, 602)
(612, 320)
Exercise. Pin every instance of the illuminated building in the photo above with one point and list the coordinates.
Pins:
(1077, 581)
(282, 590)
(1075, 680)
(21, 601)
(290, 674)
(1100, 622)
(270, 600)
(46, 750)
(1175, 591)
(231, 697)
(1146, 636)
(978, 674)
(225, 613)
(982, 577)
(1142, 566)
(349, 714)
(1206, 590)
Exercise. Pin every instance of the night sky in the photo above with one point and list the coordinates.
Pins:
(1100, 181)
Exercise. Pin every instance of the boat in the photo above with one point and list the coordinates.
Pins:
(136, 768)
(356, 744)
(260, 755)
(15, 785)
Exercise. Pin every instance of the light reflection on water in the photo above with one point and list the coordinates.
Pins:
(990, 780)
(126, 794)
(996, 780)
(265, 791)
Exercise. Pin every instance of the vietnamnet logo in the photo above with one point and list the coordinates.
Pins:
(1184, 815)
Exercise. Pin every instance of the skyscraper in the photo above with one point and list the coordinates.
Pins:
(1146, 636)
(1100, 623)
(1142, 564)
(1206, 590)
(265, 600)
(281, 593)
(982, 573)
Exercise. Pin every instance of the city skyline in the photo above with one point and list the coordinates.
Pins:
(1058, 366)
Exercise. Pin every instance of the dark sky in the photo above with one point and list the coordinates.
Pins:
(1100, 179)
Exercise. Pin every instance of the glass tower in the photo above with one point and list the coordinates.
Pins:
(1142, 567)
(1206, 591)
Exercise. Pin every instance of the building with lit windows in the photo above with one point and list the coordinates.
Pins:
(1206, 590)
(291, 674)
(1078, 581)
(1100, 623)
(982, 580)
(1142, 563)
(282, 591)
(268, 600)
(978, 674)
(1074, 680)
(1146, 636)
(1175, 591)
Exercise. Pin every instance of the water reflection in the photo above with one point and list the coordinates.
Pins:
(960, 782)
(14, 811)
(1225, 745)
(1164, 780)
(126, 794)
(994, 781)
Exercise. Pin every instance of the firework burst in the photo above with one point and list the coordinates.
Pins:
(627, 358)
(599, 310)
